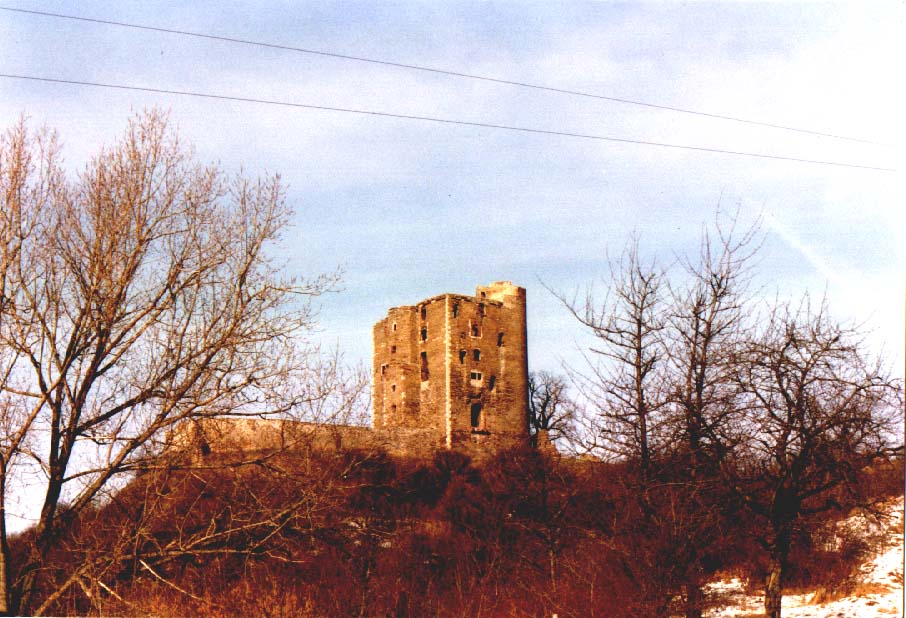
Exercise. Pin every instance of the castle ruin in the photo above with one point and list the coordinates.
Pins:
(450, 372)
(455, 366)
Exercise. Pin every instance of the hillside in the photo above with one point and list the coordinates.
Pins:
(364, 534)
(876, 589)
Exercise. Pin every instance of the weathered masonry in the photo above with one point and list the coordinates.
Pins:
(454, 370)
(449, 373)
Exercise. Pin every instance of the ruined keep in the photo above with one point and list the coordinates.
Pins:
(454, 368)
(449, 373)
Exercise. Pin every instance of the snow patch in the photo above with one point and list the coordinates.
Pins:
(882, 589)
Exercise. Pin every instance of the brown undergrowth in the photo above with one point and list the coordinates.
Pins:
(361, 534)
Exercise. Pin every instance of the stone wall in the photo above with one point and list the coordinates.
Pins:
(252, 437)
(449, 373)
(455, 366)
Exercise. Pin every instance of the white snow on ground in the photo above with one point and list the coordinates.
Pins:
(882, 594)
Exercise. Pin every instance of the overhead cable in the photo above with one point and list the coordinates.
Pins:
(452, 73)
(448, 121)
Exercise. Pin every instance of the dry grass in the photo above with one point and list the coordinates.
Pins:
(859, 590)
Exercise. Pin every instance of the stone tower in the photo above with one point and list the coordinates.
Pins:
(454, 370)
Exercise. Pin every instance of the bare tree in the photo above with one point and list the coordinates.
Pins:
(818, 411)
(707, 320)
(626, 393)
(134, 297)
(30, 181)
(623, 381)
(551, 409)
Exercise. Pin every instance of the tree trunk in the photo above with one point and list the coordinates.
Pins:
(773, 585)
(773, 593)
(694, 599)
(5, 609)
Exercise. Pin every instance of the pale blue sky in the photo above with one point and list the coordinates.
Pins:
(412, 209)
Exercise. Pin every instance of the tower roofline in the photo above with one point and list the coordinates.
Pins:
(465, 297)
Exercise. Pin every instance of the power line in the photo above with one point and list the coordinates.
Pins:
(414, 67)
(466, 123)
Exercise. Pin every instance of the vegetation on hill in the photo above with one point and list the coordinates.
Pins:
(361, 534)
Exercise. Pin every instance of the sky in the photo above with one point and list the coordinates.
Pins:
(410, 209)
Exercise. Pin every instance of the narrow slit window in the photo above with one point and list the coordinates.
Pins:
(424, 366)
(481, 309)
(424, 312)
(424, 333)
(492, 382)
(499, 339)
(383, 369)
(455, 309)
(476, 354)
(462, 356)
(393, 328)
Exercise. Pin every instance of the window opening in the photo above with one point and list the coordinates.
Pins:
(499, 339)
(393, 349)
(476, 354)
(424, 334)
(424, 312)
(424, 366)
(481, 309)
(475, 376)
(455, 309)
(393, 328)
(475, 330)
(383, 369)
(492, 382)
(393, 388)
(462, 356)
(476, 416)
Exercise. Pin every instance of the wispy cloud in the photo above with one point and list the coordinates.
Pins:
(817, 261)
